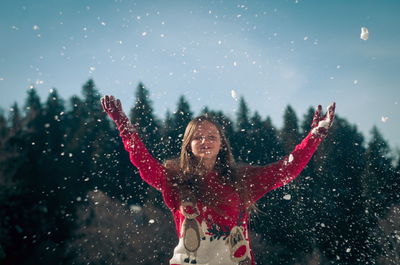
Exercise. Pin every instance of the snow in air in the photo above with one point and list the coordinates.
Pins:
(234, 94)
(287, 197)
(364, 33)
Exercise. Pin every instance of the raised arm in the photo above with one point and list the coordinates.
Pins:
(260, 180)
(150, 169)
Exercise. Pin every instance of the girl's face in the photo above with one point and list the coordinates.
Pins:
(206, 141)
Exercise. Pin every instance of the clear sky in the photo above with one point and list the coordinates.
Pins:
(272, 52)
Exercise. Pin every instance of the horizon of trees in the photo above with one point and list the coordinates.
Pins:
(69, 194)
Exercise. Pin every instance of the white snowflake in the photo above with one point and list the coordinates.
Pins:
(364, 33)
(234, 94)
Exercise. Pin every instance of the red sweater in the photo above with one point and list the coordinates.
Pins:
(218, 234)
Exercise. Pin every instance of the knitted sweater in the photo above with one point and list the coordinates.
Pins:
(218, 234)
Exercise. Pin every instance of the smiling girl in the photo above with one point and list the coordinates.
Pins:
(208, 194)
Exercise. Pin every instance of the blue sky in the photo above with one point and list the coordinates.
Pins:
(272, 52)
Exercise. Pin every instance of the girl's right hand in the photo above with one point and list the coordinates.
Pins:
(113, 108)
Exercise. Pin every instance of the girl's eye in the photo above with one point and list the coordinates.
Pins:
(212, 138)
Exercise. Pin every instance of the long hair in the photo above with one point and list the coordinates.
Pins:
(225, 164)
(189, 170)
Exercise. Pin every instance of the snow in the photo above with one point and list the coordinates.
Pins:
(234, 94)
(290, 158)
(287, 197)
(135, 208)
(364, 33)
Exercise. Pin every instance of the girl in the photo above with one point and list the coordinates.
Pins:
(208, 194)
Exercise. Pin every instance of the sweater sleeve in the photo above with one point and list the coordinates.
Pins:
(151, 171)
(261, 179)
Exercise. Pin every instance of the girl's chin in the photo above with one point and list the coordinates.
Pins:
(206, 156)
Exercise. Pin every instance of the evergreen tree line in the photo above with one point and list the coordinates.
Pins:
(69, 194)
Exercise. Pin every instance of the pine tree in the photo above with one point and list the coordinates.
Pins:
(257, 143)
(15, 119)
(33, 110)
(54, 117)
(87, 142)
(243, 120)
(166, 132)
(3, 128)
(380, 184)
(242, 145)
(143, 118)
(25, 197)
(34, 139)
(289, 134)
(307, 121)
(339, 204)
(176, 124)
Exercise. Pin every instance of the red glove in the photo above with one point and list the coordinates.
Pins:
(320, 125)
(113, 108)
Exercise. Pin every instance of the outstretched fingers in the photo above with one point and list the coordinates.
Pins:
(114, 103)
(331, 112)
(118, 105)
(109, 103)
(105, 102)
(317, 117)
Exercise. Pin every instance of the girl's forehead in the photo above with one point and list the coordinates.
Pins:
(206, 127)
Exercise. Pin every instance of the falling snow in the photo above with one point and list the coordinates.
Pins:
(291, 157)
(234, 94)
(287, 197)
(364, 33)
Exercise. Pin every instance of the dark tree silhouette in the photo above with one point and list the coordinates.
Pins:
(290, 134)
(241, 147)
(175, 127)
(143, 118)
